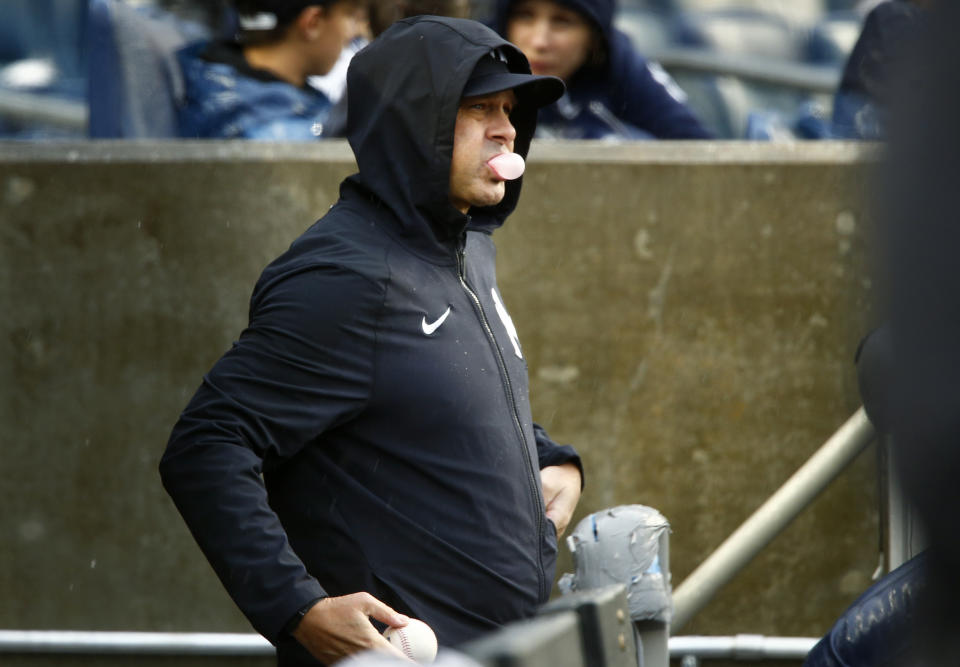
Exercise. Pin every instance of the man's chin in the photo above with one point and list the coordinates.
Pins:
(490, 195)
(487, 201)
(494, 196)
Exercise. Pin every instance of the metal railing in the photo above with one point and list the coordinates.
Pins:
(742, 647)
(692, 595)
(771, 518)
(69, 642)
(42, 109)
(65, 642)
(811, 78)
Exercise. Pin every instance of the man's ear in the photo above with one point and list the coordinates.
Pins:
(311, 19)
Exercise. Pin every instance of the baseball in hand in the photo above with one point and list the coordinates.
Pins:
(416, 640)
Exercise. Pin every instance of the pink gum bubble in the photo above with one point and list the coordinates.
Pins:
(507, 166)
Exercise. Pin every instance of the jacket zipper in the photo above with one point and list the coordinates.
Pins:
(531, 475)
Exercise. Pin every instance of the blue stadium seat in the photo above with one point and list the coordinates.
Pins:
(134, 80)
(14, 43)
(47, 29)
(832, 39)
(842, 5)
(720, 102)
(808, 121)
(41, 57)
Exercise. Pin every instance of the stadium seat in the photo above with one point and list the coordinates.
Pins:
(795, 12)
(14, 43)
(45, 29)
(742, 32)
(808, 120)
(649, 30)
(134, 79)
(842, 5)
(41, 59)
(720, 102)
(832, 39)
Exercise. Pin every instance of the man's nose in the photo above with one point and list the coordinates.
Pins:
(502, 130)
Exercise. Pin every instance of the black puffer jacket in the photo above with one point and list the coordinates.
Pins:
(380, 387)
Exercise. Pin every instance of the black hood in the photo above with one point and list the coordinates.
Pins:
(405, 90)
(599, 12)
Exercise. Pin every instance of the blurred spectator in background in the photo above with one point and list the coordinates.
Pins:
(255, 86)
(863, 96)
(380, 15)
(384, 12)
(612, 92)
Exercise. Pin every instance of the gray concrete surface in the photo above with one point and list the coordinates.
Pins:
(689, 313)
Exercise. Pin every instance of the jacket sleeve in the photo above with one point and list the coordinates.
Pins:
(302, 366)
(550, 453)
(643, 101)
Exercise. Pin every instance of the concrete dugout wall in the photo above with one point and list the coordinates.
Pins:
(689, 314)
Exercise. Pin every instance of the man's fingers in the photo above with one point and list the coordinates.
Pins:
(374, 608)
(561, 491)
(340, 626)
(384, 646)
(560, 519)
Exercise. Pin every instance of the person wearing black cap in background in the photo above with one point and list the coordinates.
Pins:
(381, 14)
(256, 86)
(366, 448)
(612, 91)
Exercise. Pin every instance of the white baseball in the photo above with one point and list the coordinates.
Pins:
(416, 640)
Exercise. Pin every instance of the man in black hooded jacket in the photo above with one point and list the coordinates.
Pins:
(366, 449)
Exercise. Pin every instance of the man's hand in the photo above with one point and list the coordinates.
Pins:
(340, 626)
(561, 492)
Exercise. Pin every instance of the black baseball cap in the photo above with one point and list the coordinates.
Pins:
(492, 75)
(269, 14)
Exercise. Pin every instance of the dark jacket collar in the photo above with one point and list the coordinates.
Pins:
(231, 53)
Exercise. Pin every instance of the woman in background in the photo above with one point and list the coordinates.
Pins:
(612, 92)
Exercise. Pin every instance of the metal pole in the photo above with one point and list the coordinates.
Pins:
(133, 643)
(742, 647)
(68, 642)
(812, 78)
(33, 108)
(771, 518)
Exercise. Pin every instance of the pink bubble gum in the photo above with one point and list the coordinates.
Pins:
(507, 166)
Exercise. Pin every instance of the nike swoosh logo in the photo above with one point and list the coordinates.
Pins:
(430, 327)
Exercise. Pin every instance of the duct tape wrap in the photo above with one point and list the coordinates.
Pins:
(624, 545)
